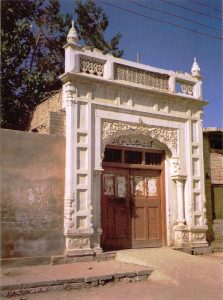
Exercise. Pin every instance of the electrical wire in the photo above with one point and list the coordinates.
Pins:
(158, 20)
(205, 5)
(192, 10)
(170, 14)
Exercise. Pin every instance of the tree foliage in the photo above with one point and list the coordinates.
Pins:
(33, 33)
(91, 24)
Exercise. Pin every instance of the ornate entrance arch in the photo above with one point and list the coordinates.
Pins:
(115, 129)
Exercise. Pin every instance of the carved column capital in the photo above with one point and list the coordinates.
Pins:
(179, 178)
(70, 91)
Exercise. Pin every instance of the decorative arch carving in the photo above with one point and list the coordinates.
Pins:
(115, 129)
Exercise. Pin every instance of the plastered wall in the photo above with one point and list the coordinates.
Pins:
(32, 191)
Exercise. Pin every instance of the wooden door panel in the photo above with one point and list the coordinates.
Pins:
(153, 223)
(110, 228)
(131, 209)
(122, 223)
(139, 223)
(115, 205)
(146, 209)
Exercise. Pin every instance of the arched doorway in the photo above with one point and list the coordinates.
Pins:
(132, 198)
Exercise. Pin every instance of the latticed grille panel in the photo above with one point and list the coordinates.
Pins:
(156, 80)
(91, 67)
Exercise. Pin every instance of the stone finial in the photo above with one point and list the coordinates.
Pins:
(72, 36)
(195, 70)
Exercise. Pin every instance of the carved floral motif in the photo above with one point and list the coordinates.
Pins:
(199, 236)
(156, 80)
(168, 136)
(185, 87)
(91, 67)
(181, 236)
(79, 242)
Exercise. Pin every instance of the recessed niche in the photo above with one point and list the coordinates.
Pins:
(196, 170)
(82, 159)
(196, 184)
(194, 132)
(197, 220)
(82, 116)
(82, 138)
(81, 179)
(195, 150)
(197, 202)
(82, 200)
(81, 222)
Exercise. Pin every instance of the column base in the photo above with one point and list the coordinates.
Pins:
(181, 236)
(96, 241)
(198, 237)
(185, 237)
(83, 244)
(78, 245)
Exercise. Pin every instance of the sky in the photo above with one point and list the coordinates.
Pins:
(170, 47)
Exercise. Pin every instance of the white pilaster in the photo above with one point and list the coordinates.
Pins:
(70, 102)
(180, 180)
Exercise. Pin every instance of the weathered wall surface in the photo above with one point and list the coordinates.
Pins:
(32, 191)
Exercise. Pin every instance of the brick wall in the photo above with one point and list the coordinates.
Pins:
(216, 160)
(48, 116)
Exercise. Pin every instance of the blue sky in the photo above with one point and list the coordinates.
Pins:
(169, 47)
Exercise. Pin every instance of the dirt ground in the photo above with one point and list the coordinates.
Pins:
(176, 276)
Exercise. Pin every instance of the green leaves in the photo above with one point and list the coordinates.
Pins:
(91, 24)
(33, 34)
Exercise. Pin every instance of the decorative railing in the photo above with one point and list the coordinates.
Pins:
(152, 79)
(172, 82)
(91, 67)
(184, 87)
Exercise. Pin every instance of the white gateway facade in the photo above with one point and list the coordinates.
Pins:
(134, 154)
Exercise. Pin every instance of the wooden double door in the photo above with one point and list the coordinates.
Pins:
(131, 209)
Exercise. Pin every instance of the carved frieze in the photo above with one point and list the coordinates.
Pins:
(198, 236)
(112, 130)
(79, 242)
(181, 237)
(152, 79)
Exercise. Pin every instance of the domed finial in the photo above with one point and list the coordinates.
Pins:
(195, 70)
(72, 35)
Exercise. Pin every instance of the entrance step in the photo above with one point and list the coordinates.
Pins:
(30, 280)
